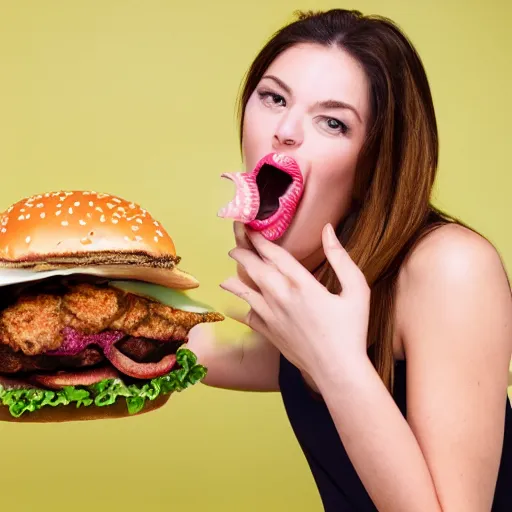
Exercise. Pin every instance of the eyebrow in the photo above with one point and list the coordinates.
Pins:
(327, 104)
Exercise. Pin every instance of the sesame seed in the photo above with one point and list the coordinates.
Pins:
(156, 223)
(102, 218)
(22, 210)
(131, 206)
(42, 215)
(91, 204)
(3, 230)
(27, 216)
(82, 222)
(139, 221)
(135, 228)
(21, 217)
(77, 203)
(89, 215)
(65, 223)
(70, 210)
(9, 210)
(116, 215)
(116, 200)
(27, 239)
(114, 221)
(110, 205)
(99, 209)
(39, 205)
(59, 205)
(58, 212)
(159, 233)
(155, 239)
(138, 238)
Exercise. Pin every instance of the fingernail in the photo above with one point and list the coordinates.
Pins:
(331, 235)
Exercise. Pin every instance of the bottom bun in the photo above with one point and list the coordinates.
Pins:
(66, 413)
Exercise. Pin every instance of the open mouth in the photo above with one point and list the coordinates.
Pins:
(267, 197)
(272, 184)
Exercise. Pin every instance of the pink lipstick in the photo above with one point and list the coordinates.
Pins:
(267, 197)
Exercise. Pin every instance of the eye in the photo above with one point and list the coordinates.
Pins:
(272, 99)
(335, 125)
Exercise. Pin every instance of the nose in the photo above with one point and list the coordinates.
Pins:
(288, 133)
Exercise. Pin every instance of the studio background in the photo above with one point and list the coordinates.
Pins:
(137, 98)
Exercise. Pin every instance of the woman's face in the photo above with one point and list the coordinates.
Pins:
(311, 104)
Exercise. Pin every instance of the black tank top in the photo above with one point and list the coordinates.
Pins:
(339, 486)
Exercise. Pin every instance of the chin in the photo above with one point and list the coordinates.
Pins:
(299, 240)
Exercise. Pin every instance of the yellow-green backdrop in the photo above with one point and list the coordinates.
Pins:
(137, 98)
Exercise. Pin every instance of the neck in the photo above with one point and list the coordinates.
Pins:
(314, 261)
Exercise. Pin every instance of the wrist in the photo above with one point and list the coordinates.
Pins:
(345, 369)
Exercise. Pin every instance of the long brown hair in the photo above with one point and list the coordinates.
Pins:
(397, 165)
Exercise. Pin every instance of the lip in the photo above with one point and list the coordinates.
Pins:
(246, 204)
(275, 226)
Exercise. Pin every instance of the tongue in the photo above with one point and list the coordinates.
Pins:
(246, 203)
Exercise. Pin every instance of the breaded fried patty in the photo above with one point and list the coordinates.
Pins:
(33, 324)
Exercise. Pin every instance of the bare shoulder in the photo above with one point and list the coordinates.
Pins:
(453, 252)
(453, 271)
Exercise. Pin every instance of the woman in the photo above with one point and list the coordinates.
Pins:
(390, 336)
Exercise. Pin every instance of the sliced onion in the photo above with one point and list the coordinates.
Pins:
(75, 341)
(139, 370)
(83, 378)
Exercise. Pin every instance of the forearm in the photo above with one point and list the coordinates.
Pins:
(377, 438)
(245, 365)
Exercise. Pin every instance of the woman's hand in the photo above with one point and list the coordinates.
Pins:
(309, 325)
(242, 241)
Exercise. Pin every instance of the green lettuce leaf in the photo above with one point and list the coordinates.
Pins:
(108, 391)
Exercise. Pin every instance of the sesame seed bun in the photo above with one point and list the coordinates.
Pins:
(101, 233)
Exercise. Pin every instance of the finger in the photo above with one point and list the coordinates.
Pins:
(241, 238)
(348, 273)
(244, 292)
(265, 276)
(279, 257)
(252, 320)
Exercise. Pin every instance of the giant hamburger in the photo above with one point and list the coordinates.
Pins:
(94, 312)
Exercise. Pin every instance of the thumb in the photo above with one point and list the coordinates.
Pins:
(350, 276)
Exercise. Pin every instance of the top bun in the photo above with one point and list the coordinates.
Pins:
(73, 223)
(85, 228)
